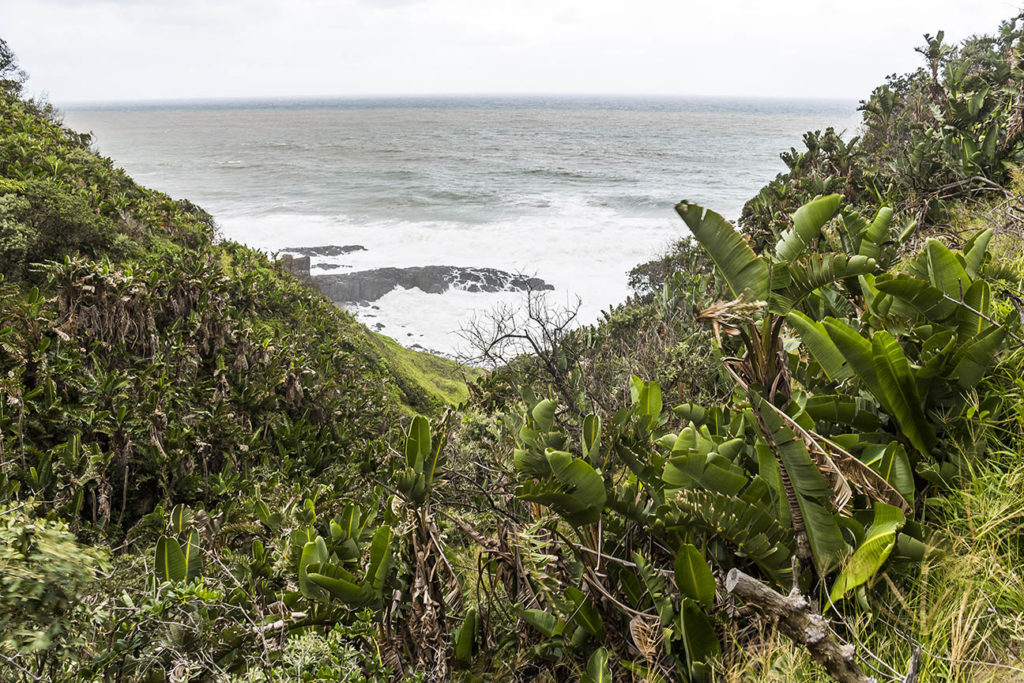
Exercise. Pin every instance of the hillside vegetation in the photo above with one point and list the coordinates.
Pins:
(796, 454)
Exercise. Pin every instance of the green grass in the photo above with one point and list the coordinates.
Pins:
(427, 381)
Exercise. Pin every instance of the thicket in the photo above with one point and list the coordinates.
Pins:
(796, 453)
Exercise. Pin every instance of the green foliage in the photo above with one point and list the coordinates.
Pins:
(45, 575)
(879, 540)
(598, 670)
(949, 130)
(693, 576)
(742, 270)
(851, 408)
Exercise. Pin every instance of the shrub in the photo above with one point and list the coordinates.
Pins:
(44, 576)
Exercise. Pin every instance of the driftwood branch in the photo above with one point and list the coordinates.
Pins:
(802, 624)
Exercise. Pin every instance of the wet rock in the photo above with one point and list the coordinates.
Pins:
(329, 250)
(296, 265)
(370, 285)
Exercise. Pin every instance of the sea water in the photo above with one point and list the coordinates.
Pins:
(575, 191)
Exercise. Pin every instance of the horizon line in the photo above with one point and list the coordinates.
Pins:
(240, 99)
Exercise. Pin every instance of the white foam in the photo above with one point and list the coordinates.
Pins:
(580, 249)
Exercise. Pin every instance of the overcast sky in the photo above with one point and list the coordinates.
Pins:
(108, 50)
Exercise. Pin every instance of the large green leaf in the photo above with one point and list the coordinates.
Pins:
(899, 388)
(876, 234)
(736, 261)
(417, 443)
(807, 223)
(845, 410)
(649, 403)
(969, 323)
(945, 270)
(699, 640)
(350, 526)
(192, 555)
(547, 623)
(813, 336)
(591, 437)
(976, 357)
(854, 225)
(436, 461)
(693, 575)
(922, 296)
(544, 414)
(894, 467)
(465, 637)
(585, 612)
(694, 468)
(578, 492)
(974, 252)
(170, 561)
(314, 553)
(380, 560)
(179, 518)
(857, 352)
(813, 494)
(598, 668)
(325, 580)
(872, 552)
(770, 472)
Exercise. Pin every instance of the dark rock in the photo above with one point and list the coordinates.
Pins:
(326, 266)
(330, 250)
(370, 285)
(296, 265)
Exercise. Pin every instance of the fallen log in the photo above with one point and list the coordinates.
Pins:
(801, 623)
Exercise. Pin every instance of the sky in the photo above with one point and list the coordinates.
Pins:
(135, 50)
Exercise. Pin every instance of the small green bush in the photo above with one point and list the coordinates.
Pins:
(44, 574)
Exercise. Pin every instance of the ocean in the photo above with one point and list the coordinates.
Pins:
(574, 191)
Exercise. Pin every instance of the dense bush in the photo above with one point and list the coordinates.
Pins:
(950, 130)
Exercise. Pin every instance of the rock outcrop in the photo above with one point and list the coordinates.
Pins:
(370, 285)
(329, 250)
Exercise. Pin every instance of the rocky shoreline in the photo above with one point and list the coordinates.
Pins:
(365, 286)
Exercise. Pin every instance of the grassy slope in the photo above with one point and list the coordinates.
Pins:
(423, 377)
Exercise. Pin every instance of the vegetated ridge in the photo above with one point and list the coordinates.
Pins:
(796, 454)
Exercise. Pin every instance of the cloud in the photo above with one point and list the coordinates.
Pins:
(390, 4)
(142, 49)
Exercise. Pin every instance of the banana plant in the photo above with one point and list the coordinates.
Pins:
(178, 561)
(322, 576)
(645, 475)
(872, 551)
(553, 477)
(784, 279)
(926, 336)
(424, 458)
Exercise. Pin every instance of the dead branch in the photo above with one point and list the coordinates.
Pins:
(801, 623)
